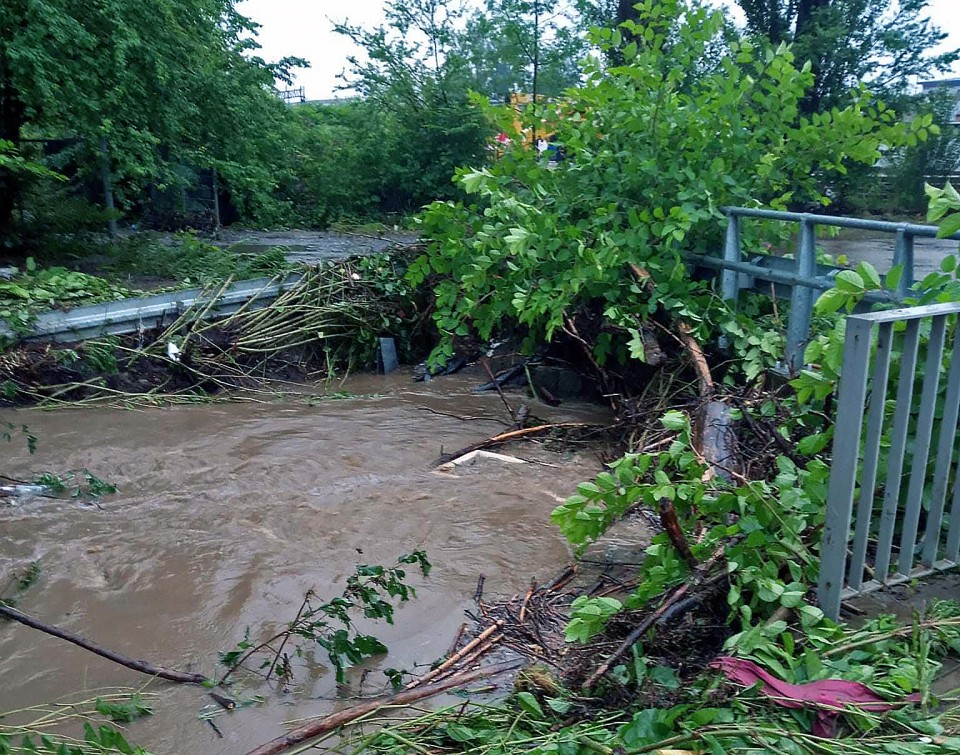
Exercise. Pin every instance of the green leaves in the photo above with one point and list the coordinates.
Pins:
(589, 616)
(371, 591)
(583, 517)
(37, 289)
(529, 703)
(124, 712)
(944, 208)
(643, 183)
(850, 287)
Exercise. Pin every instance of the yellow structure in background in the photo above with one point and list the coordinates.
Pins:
(518, 102)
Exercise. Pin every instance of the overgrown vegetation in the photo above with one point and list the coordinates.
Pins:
(732, 573)
(177, 113)
(680, 116)
(697, 715)
(529, 249)
(326, 321)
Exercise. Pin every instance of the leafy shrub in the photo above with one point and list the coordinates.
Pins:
(37, 289)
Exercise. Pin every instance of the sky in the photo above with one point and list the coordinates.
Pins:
(304, 28)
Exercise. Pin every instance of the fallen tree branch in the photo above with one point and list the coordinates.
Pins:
(506, 404)
(342, 718)
(137, 665)
(685, 336)
(562, 579)
(456, 656)
(496, 440)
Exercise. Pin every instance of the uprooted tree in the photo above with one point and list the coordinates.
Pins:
(655, 148)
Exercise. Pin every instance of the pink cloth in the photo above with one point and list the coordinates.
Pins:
(828, 696)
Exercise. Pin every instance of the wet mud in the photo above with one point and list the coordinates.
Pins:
(312, 247)
(228, 513)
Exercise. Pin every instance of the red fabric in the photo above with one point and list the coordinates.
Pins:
(828, 696)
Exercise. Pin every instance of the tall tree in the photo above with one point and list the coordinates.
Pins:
(162, 81)
(541, 42)
(417, 76)
(510, 45)
(882, 43)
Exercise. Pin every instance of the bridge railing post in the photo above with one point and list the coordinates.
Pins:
(801, 299)
(732, 252)
(903, 255)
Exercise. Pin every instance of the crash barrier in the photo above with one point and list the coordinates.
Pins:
(887, 520)
(143, 313)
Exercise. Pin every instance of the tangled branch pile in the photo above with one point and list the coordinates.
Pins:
(330, 319)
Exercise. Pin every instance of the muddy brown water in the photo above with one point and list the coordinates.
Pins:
(228, 513)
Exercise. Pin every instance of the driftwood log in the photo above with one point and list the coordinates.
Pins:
(496, 440)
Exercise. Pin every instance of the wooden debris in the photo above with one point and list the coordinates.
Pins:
(526, 432)
(456, 657)
(137, 665)
(322, 726)
(699, 577)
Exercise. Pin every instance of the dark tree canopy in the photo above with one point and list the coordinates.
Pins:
(162, 81)
(882, 43)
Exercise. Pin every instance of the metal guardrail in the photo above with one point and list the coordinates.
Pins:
(133, 315)
(802, 273)
(858, 473)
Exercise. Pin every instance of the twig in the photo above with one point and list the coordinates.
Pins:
(342, 718)
(286, 637)
(467, 418)
(456, 639)
(668, 519)
(496, 384)
(216, 728)
(137, 665)
(526, 600)
(562, 579)
(453, 659)
(467, 660)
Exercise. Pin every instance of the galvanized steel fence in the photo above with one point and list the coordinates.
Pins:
(887, 515)
(802, 273)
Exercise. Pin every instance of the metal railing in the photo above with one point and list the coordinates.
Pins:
(143, 313)
(802, 274)
(879, 449)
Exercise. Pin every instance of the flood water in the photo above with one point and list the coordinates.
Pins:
(228, 513)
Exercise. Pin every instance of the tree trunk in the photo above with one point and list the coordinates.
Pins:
(536, 68)
(12, 117)
(806, 18)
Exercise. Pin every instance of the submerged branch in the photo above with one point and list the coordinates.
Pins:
(137, 665)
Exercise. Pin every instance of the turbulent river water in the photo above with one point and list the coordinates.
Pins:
(227, 513)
